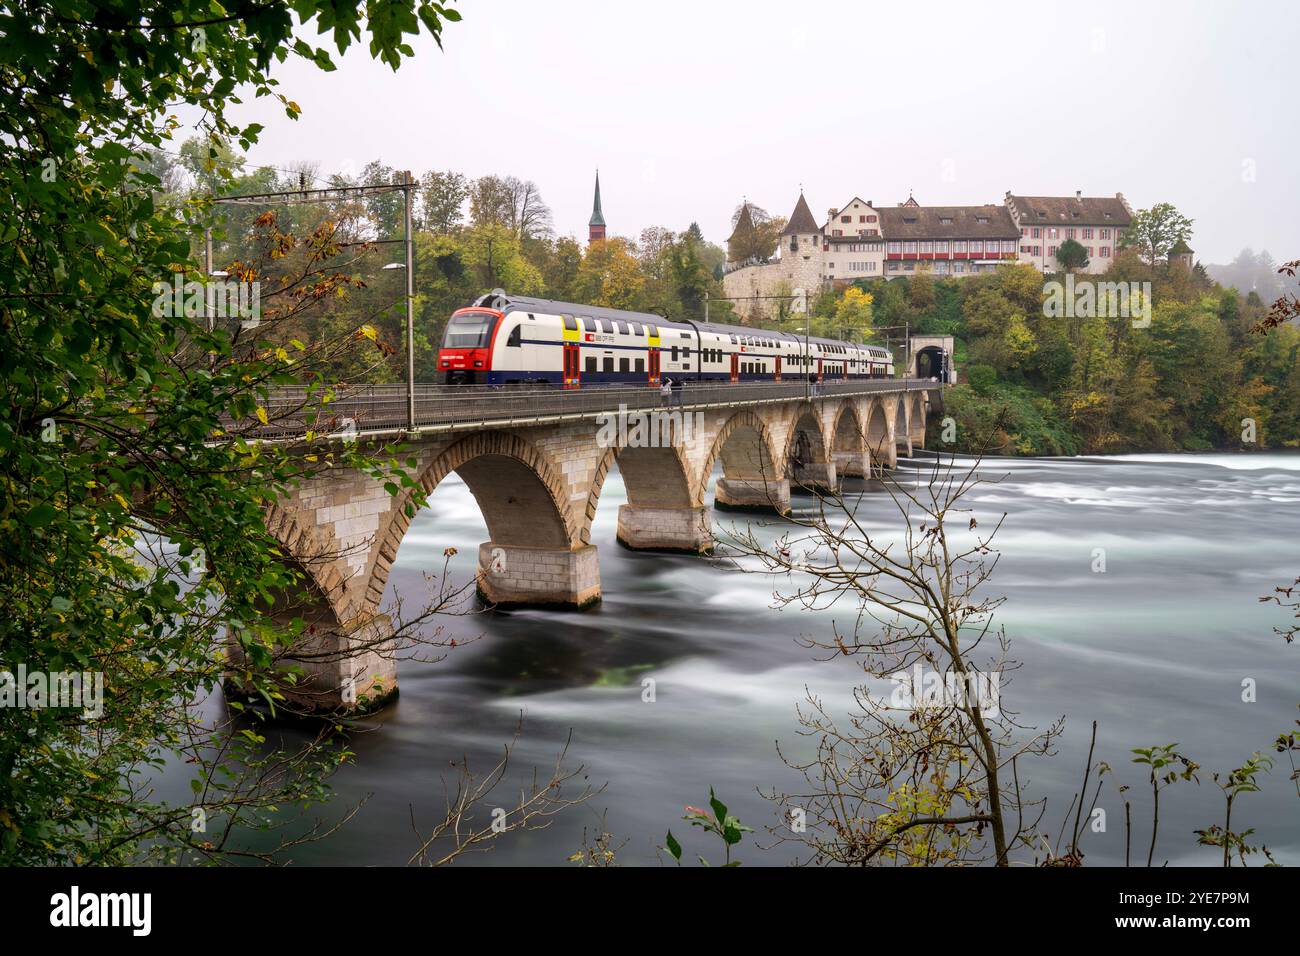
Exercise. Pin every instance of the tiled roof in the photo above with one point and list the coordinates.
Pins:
(1071, 210)
(947, 222)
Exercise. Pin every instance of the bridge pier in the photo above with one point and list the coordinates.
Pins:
(338, 668)
(513, 576)
(753, 494)
(853, 464)
(817, 476)
(665, 529)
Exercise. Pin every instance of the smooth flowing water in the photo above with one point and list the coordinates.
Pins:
(1155, 649)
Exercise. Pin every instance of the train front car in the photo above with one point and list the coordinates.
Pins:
(466, 354)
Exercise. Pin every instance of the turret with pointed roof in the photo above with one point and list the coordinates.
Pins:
(801, 221)
(596, 225)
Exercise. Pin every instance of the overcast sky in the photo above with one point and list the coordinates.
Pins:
(687, 107)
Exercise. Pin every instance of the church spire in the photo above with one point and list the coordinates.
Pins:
(596, 226)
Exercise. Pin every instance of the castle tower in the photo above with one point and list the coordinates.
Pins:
(801, 249)
(596, 226)
(1181, 255)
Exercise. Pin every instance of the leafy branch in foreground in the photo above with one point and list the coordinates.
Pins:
(725, 826)
(133, 486)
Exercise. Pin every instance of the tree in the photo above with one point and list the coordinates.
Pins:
(442, 200)
(853, 312)
(755, 234)
(133, 515)
(609, 275)
(491, 202)
(691, 279)
(1153, 232)
(932, 774)
(387, 209)
(1071, 255)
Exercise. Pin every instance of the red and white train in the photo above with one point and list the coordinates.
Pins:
(511, 339)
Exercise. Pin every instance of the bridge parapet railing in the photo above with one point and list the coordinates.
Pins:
(370, 409)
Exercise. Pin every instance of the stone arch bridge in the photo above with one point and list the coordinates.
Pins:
(536, 463)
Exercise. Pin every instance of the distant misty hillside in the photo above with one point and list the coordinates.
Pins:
(1252, 271)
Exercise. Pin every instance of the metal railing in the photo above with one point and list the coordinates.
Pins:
(382, 409)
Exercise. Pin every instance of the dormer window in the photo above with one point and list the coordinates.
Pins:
(982, 219)
(945, 220)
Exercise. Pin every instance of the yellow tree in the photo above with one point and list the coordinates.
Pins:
(610, 275)
(853, 311)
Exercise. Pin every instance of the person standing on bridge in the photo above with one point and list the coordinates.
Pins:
(665, 391)
(678, 382)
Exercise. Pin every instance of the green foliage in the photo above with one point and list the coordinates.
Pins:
(121, 423)
(721, 824)
(1071, 255)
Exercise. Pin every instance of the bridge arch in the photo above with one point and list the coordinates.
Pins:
(744, 445)
(806, 443)
(520, 493)
(653, 478)
(751, 474)
(848, 433)
(916, 419)
(901, 431)
(878, 437)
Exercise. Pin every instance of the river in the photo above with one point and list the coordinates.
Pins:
(1155, 649)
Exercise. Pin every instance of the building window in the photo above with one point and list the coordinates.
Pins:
(909, 247)
(846, 218)
(1105, 252)
(1008, 245)
(959, 245)
(1105, 234)
(1038, 233)
(927, 248)
(941, 247)
(895, 247)
(977, 247)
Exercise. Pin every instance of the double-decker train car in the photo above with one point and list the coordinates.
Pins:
(512, 339)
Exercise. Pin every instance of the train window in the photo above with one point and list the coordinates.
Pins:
(623, 329)
(686, 335)
(515, 334)
(609, 363)
(588, 325)
(636, 329)
(624, 365)
(654, 331)
(640, 365)
(733, 340)
(607, 326)
(570, 323)
(591, 363)
(674, 353)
